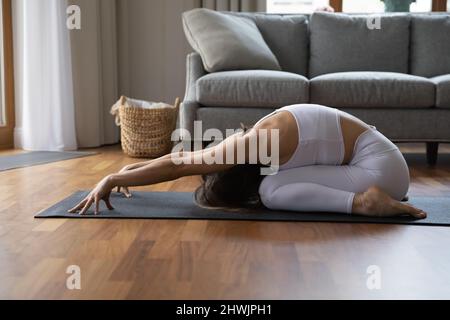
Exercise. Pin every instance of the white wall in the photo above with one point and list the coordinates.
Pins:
(152, 45)
(152, 48)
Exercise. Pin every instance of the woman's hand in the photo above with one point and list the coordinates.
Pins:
(125, 190)
(101, 192)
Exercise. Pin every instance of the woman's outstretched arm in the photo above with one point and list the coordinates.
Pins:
(181, 164)
(254, 147)
(172, 167)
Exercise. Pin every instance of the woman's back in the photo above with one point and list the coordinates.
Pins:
(313, 135)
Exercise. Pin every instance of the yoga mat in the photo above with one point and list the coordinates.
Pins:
(35, 158)
(176, 205)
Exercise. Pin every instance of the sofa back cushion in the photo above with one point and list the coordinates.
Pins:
(341, 43)
(430, 45)
(227, 42)
(288, 38)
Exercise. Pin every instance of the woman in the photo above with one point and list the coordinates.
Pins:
(329, 161)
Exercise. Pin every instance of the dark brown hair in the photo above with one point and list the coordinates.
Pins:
(236, 188)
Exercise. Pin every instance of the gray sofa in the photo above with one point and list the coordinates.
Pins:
(396, 78)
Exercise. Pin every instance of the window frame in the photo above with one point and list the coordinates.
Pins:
(436, 5)
(439, 5)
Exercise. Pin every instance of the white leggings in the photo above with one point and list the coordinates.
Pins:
(375, 162)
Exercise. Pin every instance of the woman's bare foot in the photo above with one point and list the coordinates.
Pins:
(376, 203)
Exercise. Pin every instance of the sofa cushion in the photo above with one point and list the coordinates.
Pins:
(342, 43)
(430, 45)
(442, 91)
(227, 42)
(252, 88)
(399, 124)
(372, 89)
(287, 36)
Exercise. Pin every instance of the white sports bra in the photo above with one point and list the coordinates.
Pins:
(320, 136)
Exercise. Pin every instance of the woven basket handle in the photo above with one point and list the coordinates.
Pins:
(116, 108)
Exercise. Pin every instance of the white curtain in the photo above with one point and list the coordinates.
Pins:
(66, 80)
(44, 88)
(95, 76)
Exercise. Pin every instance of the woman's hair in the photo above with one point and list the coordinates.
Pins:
(236, 188)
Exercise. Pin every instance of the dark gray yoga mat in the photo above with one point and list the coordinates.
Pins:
(176, 205)
(34, 158)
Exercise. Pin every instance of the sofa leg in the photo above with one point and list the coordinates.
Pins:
(432, 153)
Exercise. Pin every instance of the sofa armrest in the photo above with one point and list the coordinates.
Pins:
(195, 70)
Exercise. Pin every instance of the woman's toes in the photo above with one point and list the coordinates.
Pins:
(421, 214)
(375, 202)
(415, 212)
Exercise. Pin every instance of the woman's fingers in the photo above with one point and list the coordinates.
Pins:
(108, 204)
(87, 203)
(97, 206)
(87, 206)
(126, 192)
(78, 206)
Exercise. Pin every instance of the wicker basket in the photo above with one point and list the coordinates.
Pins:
(146, 133)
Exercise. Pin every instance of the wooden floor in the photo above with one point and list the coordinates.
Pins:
(158, 259)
